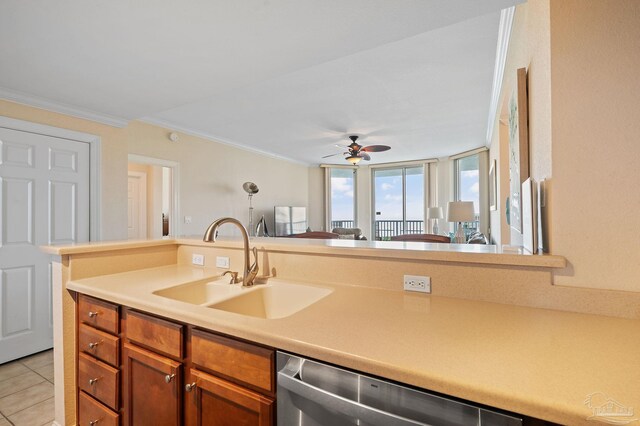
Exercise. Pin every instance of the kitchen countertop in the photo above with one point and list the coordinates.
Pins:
(538, 362)
(408, 250)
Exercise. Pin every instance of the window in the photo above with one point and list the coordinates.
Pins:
(398, 201)
(467, 186)
(342, 185)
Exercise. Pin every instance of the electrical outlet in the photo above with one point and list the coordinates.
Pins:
(197, 259)
(417, 283)
(222, 262)
(187, 220)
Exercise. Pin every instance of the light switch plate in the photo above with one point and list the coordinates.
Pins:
(222, 262)
(197, 259)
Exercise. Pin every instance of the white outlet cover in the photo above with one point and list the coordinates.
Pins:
(197, 259)
(417, 283)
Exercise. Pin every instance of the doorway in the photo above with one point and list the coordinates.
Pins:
(153, 207)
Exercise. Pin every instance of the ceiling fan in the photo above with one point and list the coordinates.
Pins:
(357, 152)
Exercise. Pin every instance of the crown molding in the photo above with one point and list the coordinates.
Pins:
(37, 102)
(504, 36)
(213, 138)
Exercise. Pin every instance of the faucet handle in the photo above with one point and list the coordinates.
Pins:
(234, 277)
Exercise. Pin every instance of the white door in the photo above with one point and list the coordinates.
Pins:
(44, 199)
(137, 205)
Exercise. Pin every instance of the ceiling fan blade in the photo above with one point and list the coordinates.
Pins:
(333, 155)
(365, 156)
(376, 148)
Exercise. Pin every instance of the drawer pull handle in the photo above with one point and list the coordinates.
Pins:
(93, 381)
(93, 345)
(93, 314)
(190, 386)
(169, 377)
(93, 422)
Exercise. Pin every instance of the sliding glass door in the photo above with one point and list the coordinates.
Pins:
(398, 206)
(342, 190)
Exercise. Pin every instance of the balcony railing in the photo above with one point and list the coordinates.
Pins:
(343, 224)
(385, 229)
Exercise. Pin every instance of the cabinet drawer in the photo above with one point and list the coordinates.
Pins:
(99, 344)
(99, 380)
(238, 361)
(91, 412)
(98, 313)
(160, 335)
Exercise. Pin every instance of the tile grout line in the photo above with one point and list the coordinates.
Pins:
(27, 408)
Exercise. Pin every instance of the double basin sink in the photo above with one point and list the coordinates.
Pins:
(273, 300)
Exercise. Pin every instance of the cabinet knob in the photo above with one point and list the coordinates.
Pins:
(93, 314)
(169, 377)
(190, 386)
(93, 345)
(93, 381)
(93, 422)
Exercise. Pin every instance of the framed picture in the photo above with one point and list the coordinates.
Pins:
(518, 147)
(493, 187)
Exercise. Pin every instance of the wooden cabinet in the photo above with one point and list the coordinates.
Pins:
(98, 361)
(231, 382)
(152, 388)
(217, 402)
(91, 412)
(143, 370)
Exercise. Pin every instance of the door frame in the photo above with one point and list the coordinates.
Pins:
(94, 141)
(174, 218)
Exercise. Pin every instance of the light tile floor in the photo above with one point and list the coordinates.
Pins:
(26, 391)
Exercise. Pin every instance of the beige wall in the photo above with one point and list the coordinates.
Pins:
(528, 48)
(595, 51)
(582, 59)
(211, 174)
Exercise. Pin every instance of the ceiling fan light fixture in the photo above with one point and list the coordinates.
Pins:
(353, 159)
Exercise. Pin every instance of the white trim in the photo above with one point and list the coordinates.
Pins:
(213, 138)
(504, 36)
(95, 182)
(62, 108)
(175, 228)
(337, 166)
(468, 153)
(327, 199)
(411, 163)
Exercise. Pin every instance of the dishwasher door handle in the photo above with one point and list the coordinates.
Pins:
(343, 405)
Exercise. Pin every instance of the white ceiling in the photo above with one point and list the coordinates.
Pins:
(288, 77)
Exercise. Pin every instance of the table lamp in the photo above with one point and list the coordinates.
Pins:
(435, 213)
(460, 211)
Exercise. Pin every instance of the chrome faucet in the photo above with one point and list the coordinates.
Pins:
(250, 271)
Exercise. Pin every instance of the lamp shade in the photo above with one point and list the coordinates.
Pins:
(460, 211)
(434, 213)
(353, 159)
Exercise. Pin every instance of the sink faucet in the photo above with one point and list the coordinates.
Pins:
(250, 271)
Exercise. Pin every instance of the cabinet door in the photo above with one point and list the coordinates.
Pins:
(216, 402)
(152, 388)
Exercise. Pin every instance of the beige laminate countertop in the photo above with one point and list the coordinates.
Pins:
(537, 362)
(455, 253)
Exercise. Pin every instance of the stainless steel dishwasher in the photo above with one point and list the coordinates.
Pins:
(315, 394)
